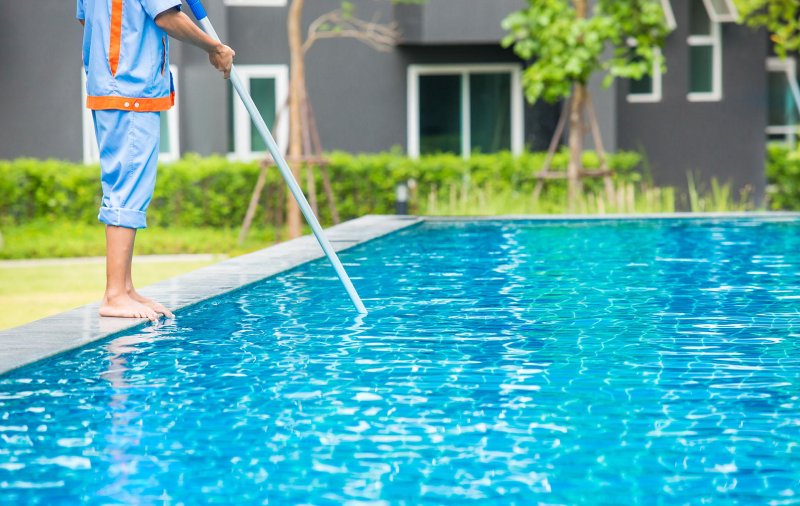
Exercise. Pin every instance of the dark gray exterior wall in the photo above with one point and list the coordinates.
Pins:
(202, 93)
(359, 94)
(725, 139)
(471, 22)
(40, 80)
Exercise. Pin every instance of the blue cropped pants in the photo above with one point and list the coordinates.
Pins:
(128, 143)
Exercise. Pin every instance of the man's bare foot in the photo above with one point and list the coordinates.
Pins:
(155, 306)
(123, 306)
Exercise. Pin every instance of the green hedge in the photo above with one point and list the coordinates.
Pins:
(783, 176)
(215, 191)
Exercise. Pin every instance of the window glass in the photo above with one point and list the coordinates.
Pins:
(782, 110)
(701, 69)
(490, 112)
(643, 86)
(440, 113)
(263, 92)
(699, 22)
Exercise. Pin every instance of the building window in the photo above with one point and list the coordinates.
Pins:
(648, 88)
(705, 55)
(269, 87)
(256, 3)
(169, 144)
(721, 11)
(783, 116)
(464, 109)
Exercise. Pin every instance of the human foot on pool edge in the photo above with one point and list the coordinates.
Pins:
(155, 306)
(124, 306)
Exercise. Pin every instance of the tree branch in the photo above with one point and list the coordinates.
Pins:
(335, 24)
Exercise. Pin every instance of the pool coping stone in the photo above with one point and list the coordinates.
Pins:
(38, 340)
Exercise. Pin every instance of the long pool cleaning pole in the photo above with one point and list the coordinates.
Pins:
(200, 13)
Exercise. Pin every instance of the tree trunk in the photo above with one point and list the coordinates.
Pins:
(576, 127)
(297, 89)
(575, 145)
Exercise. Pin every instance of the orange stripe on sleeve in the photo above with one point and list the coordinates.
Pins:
(116, 35)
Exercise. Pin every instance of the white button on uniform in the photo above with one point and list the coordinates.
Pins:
(127, 104)
(136, 104)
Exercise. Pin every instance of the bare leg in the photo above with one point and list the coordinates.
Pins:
(155, 306)
(119, 254)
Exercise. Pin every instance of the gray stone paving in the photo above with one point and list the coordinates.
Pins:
(56, 334)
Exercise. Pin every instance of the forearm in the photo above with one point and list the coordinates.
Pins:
(179, 26)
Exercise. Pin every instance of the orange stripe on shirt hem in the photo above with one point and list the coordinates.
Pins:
(131, 104)
(116, 36)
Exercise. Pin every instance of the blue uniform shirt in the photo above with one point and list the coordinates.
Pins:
(126, 55)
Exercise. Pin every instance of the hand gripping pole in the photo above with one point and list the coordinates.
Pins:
(200, 13)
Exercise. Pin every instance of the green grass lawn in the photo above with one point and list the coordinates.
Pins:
(30, 292)
(44, 239)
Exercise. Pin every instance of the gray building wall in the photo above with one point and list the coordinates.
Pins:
(725, 139)
(471, 22)
(40, 80)
(202, 93)
(359, 94)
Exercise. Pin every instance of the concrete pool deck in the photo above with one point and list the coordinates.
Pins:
(50, 336)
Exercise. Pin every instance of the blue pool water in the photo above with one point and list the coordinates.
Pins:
(640, 362)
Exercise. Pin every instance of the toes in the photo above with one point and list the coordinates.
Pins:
(161, 309)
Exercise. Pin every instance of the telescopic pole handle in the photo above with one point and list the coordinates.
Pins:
(283, 167)
(197, 9)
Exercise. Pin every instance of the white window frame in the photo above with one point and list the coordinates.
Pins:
(242, 126)
(721, 17)
(657, 77)
(517, 103)
(788, 67)
(669, 14)
(256, 3)
(715, 41)
(91, 152)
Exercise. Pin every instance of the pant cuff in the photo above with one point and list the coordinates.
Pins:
(119, 217)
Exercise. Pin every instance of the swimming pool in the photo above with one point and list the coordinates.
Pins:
(603, 362)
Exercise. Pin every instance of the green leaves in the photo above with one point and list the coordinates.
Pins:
(566, 49)
(780, 17)
(348, 10)
(214, 191)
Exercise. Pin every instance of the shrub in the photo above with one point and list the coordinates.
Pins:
(215, 191)
(783, 177)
